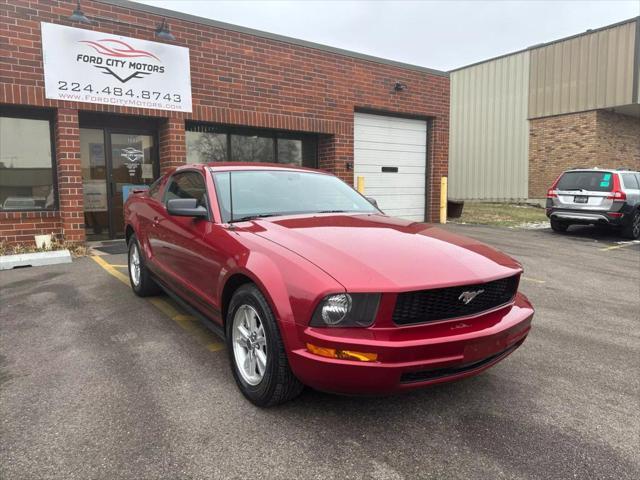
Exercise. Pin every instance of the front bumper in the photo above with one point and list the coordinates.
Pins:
(413, 356)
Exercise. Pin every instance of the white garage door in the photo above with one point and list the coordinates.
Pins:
(391, 154)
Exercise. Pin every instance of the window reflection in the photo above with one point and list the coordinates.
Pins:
(204, 147)
(218, 143)
(245, 148)
(26, 166)
(290, 151)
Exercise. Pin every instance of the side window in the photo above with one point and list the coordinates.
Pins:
(154, 189)
(187, 185)
(630, 181)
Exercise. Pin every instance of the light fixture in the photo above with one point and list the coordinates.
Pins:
(399, 86)
(162, 31)
(78, 15)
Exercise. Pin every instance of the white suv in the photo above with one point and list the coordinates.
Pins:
(596, 197)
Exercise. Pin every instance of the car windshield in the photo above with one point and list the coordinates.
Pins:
(247, 194)
(587, 181)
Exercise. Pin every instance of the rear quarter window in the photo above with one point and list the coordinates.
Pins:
(630, 181)
(590, 181)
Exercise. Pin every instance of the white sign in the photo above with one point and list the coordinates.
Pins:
(95, 195)
(147, 170)
(86, 66)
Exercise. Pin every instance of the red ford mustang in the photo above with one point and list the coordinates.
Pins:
(311, 284)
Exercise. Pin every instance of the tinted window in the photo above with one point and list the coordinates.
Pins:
(218, 143)
(629, 180)
(271, 192)
(290, 151)
(591, 181)
(204, 147)
(26, 164)
(252, 148)
(187, 185)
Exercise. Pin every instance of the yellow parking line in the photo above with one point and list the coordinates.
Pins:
(110, 270)
(187, 322)
(621, 245)
(534, 280)
(119, 266)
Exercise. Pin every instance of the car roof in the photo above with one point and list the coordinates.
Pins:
(246, 166)
(615, 170)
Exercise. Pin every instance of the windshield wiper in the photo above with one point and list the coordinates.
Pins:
(252, 217)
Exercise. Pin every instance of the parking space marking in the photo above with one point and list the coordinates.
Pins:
(187, 322)
(119, 266)
(110, 270)
(534, 280)
(621, 245)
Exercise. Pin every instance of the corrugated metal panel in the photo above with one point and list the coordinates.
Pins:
(489, 133)
(583, 73)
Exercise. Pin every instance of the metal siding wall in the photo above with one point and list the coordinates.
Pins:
(489, 132)
(583, 73)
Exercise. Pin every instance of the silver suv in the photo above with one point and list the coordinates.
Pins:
(596, 197)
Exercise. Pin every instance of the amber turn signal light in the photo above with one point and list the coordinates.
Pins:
(342, 354)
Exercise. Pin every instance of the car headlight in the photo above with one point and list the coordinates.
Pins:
(346, 310)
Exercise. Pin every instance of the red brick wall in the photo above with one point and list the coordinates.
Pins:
(67, 144)
(587, 139)
(237, 79)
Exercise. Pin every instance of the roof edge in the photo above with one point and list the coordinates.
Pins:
(164, 12)
(546, 44)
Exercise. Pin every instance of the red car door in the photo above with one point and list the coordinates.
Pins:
(178, 242)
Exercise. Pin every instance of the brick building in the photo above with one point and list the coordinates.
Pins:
(71, 147)
(519, 120)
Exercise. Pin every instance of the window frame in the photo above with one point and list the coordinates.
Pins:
(229, 130)
(38, 114)
(170, 181)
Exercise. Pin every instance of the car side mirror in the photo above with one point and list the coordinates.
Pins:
(372, 201)
(186, 207)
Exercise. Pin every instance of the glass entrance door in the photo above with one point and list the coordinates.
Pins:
(113, 162)
(132, 164)
(94, 183)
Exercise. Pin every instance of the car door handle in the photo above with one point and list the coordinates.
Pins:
(156, 221)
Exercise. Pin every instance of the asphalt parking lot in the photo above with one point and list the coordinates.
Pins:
(97, 383)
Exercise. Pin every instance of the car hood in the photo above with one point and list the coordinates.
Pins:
(380, 253)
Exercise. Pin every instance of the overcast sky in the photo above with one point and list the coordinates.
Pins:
(437, 34)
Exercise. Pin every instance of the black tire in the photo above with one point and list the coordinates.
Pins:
(278, 384)
(632, 229)
(557, 226)
(146, 286)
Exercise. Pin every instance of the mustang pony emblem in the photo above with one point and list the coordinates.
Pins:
(469, 295)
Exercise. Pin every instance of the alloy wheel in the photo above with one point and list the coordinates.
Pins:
(636, 225)
(134, 265)
(249, 344)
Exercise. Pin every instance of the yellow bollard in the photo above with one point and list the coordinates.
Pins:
(360, 184)
(443, 200)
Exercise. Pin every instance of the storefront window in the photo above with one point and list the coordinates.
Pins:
(252, 148)
(204, 147)
(290, 151)
(26, 164)
(219, 143)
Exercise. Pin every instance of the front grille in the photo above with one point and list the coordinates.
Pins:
(443, 303)
(424, 375)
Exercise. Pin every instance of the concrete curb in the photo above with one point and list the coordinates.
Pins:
(7, 262)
